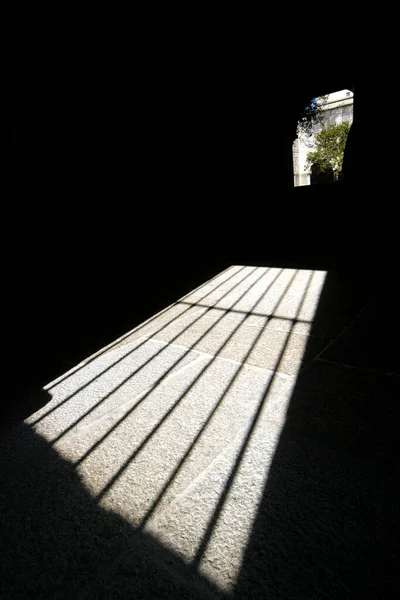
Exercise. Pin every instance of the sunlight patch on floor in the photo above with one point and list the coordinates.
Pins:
(175, 426)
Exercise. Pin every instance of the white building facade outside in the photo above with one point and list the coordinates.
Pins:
(338, 108)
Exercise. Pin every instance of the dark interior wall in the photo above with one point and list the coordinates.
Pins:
(120, 172)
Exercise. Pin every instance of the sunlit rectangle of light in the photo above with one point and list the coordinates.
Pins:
(175, 427)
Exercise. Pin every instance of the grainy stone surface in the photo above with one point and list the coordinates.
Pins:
(180, 462)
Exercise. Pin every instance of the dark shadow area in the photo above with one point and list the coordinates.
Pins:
(156, 383)
(329, 522)
(19, 408)
(320, 177)
(120, 199)
(123, 198)
(62, 545)
(157, 331)
(47, 336)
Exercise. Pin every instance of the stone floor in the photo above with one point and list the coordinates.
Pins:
(241, 443)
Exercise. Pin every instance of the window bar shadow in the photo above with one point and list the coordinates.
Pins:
(177, 402)
(136, 371)
(175, 318)
(254, 314)
(213, 521)
(157, 383)
(138, 328)
(215, 408)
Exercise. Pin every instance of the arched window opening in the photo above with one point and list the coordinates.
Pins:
(322, 133)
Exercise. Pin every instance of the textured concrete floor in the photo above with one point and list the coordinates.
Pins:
(234, 444)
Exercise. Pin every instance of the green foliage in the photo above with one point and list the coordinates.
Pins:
(328, 156)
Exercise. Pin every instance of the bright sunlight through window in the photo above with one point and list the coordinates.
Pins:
(174, 426)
